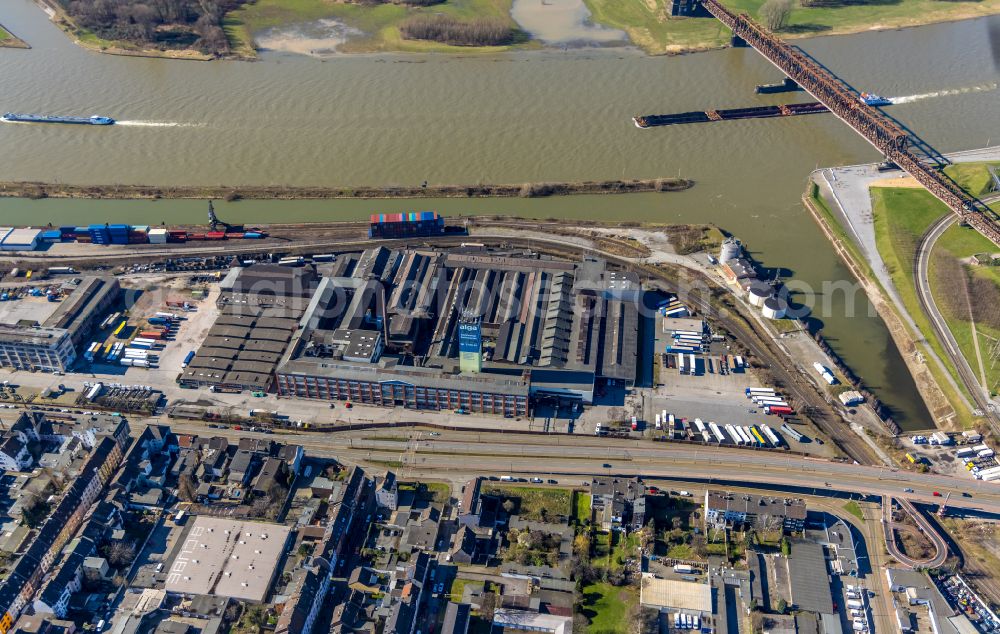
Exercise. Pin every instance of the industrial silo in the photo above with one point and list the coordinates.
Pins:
(731, 248)
(774, 308)
(758, 292)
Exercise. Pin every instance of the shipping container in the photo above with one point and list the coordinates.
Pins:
(750, 391)
(187, 359)
(777, 410)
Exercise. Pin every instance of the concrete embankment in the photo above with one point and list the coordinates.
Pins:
(25, 189)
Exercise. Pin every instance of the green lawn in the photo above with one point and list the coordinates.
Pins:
(4, 35)
(902, 215)
(972, 177)
(581, 507)
(379, 22)
(457, 588)
(606, 607)
(532, 503)
(681, 551)
(650, 26)
(855, 510)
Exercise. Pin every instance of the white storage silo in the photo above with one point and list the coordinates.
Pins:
(731, 248)
(774, 308)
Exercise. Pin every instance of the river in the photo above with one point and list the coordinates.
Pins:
(533, 116)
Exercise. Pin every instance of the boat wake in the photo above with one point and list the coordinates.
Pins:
(945, 93)
(157, 124)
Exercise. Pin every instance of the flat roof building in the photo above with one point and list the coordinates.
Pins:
(51, 345)
(227, 558)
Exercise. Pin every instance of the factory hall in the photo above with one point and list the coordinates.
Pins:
(464, 330)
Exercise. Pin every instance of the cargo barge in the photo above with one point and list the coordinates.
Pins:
(756, 112)
(732, 114)
(42, 118)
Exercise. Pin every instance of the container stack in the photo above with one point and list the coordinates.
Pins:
(99, 234)
(405, 225)
(118, 233)
(157, 236)
(138, 234)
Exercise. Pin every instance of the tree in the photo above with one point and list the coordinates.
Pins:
(775, 13)
(781, 607)
(508, 506)
(786, 547)
(581, 546)
(121, 553)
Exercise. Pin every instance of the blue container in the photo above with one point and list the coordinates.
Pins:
(252, 235)
(52, 236)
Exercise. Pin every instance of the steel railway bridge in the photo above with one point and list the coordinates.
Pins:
(886, 135)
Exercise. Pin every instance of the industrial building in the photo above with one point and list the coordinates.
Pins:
(723, 509)
(427, 329)
(47, 341)
(24, 239)
(227, 558)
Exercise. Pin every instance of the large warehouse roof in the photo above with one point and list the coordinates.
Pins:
(227, 558)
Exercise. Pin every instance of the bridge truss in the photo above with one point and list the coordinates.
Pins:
(882, 132)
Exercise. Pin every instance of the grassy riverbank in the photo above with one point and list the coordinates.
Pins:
(379, 23)
(23, 189)
(9, 40)
(650, 26)
(965, 294)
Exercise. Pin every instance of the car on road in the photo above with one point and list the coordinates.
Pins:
(536, 480)
(907, 490)
(434, 433)
(607, 466)
(553, 482)
(937, 494)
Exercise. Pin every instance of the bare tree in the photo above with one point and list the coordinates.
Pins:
(775, 13)
(121, 553)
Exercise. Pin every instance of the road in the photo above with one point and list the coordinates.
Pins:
(925, 527)
(458, 455)
(921, 272)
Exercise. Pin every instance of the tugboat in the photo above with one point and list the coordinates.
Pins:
(871, 99)
(41, 118)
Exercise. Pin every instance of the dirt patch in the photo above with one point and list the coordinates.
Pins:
(905, 181)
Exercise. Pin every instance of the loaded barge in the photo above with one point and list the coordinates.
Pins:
(756, 112)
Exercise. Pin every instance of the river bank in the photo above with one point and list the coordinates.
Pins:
(322, 28)
(876, 235)
(37, 190)
(9, 40)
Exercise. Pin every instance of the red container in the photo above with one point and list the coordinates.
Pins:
(778, 410)
(215, 235)
(151, 334)
(235, 236)
(196, 236)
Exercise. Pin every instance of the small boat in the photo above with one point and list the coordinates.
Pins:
(871, 99)
(41, 118)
